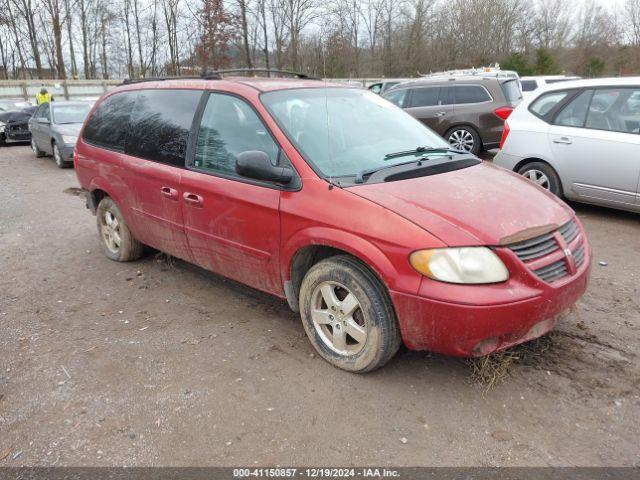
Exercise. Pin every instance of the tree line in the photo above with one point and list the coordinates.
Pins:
(329, 38)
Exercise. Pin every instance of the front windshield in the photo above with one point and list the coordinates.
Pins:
(343, 131)
(70, 113)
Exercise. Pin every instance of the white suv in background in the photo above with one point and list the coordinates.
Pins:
(580, 140)
(531, 84)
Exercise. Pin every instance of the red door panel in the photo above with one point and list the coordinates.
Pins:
(157, 205)
(233, 228)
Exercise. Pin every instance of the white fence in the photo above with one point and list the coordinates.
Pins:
(67, 89)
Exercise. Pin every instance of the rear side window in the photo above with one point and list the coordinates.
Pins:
(160, 125)
(529, 85)
(542, 105)
(109, 123)
(511, 91)
(397, 97)
(574, 114)
(470, 94)
(425, 97)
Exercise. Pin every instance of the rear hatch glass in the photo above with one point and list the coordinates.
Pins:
(512, 91)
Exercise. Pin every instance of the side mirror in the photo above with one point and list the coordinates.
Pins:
(42, 120)
(257, 165)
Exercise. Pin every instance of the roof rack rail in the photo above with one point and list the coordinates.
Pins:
(268, 71)
(218, 74)
(204, 76)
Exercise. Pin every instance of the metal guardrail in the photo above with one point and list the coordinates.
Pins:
(75, 89)
(67, 89)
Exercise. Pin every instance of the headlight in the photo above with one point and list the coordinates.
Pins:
(69, 139)
(460, 265)
(2, 124)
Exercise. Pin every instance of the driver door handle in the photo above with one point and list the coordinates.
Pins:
(169, 192)
(441, 114)
(562, 140)
(193, 199)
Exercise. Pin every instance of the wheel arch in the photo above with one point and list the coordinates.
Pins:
(537, 159)
(315, 244)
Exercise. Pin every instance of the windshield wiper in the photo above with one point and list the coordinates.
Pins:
(363, 173)
(421, 150)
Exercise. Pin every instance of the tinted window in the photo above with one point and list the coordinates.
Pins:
(229, 126)
(108, 125)
(615, 109)
(574, 113)
(160, 125)
(529, 85)
(542, 105)
(397, 97)
(44, 112)
(470, 94)
(376, 87)
(425, 97)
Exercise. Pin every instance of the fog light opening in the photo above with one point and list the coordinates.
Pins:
(486, 346)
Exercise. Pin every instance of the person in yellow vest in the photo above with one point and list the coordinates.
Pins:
(43, 97)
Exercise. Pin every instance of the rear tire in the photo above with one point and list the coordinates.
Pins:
(115, 237)
(464, 138)
(39, 153)
(348, 316)
(543, 175)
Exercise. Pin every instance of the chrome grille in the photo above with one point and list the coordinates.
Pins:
(569, 231)
(535, 247)
(553, 271)
(543, 245)
(578, 255)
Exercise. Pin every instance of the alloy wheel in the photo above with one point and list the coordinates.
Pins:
(338, 318)
(110, 229)
(461, 140)
(538, 177)
(56, 155)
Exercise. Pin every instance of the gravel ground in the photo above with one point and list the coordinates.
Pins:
(158, 362)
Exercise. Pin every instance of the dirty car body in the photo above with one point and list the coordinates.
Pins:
(359, 227)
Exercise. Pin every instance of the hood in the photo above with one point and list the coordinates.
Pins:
(72, 129)
(479, 205)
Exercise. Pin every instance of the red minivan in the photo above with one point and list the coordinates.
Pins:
(366, 221)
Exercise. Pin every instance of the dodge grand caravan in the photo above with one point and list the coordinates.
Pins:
(332, 198)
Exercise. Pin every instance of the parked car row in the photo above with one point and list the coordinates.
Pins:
(55, 127)
(367, 222)
(580, 140)
(468, 111)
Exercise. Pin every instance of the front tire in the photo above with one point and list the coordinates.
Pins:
(57, 156)
(39, 153)
(465, 139)
(348, 315)
(542, 175)
(115, 237)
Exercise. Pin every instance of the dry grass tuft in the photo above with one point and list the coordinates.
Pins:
(168, 260)
(491, 370)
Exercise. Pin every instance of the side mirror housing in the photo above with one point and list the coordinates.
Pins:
(257, 165)
(42, 120)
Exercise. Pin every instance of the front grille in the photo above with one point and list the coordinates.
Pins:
(569, 231)
(537, 248)
(578, 255)
(552, 272)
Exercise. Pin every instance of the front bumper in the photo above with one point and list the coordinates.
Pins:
(17, 135)
(67, 152)
(486, 319)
